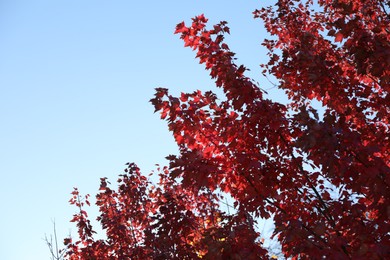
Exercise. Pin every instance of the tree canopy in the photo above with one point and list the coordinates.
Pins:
(323, 177)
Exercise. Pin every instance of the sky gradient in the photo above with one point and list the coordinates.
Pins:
(75, 82)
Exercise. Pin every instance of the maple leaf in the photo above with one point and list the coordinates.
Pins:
(338, 37)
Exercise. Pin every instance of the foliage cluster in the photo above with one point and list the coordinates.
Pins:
(324, 179)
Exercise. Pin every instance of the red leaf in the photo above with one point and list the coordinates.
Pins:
(339, 37)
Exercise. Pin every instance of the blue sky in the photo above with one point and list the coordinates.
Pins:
(75, 81)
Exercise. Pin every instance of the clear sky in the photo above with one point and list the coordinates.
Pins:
(75, 80)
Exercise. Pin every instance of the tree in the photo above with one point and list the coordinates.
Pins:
(323, 177)
(55, 252)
